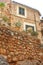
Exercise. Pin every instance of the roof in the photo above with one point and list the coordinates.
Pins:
(27, 6)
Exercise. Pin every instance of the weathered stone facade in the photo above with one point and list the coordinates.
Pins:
(41, 24)
(19, 48)
(32, 17)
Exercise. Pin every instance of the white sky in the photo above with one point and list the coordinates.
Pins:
(37, 4)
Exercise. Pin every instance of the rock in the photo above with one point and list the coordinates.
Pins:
(15, 59)
(2, 51)
(3, 61)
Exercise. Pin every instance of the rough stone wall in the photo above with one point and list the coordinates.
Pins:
(29, 62)
(15, 46)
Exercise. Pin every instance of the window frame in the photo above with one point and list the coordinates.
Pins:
(29, 24)
(24, 9)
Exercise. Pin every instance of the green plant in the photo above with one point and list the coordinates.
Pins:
(34, 33)
(24, 31)
(18, 24)
(5, 18)
(2, 5)
(29, 31)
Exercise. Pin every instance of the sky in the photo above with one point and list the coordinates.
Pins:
(37, 4)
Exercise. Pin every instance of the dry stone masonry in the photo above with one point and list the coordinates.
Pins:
(17, 46)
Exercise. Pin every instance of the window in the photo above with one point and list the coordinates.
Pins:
(21, 11)
(29, 27)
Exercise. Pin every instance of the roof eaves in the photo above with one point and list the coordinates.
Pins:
(27, 6)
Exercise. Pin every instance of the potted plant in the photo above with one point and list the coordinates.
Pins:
(18, 25)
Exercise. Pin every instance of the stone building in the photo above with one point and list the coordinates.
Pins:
(29, 17)
(42, 29)
(16, 47)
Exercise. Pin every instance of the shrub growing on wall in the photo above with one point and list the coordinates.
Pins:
(2, 5)
(33, 33)
(6, 20)
(18, 24)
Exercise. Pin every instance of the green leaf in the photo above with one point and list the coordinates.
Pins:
(2, 4)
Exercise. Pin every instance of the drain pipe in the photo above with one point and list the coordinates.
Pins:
(35, 21)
